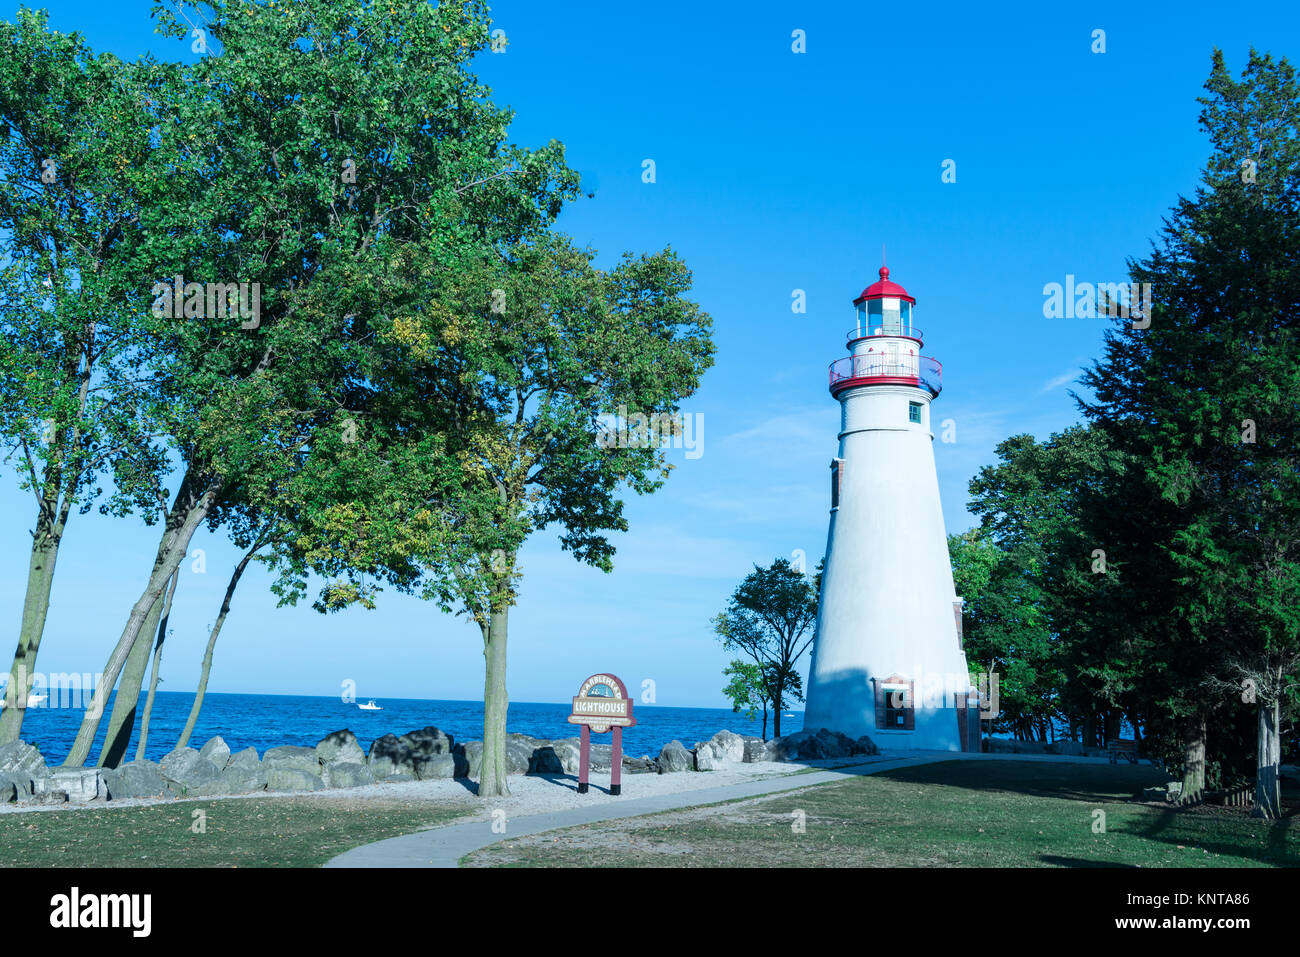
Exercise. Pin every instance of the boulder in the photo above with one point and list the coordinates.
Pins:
(724, 747)
(704, 760)
(190, 772)
(243, 773)
(468, 756)
(8, 789)
(674, 757)
(641, 765)
(814, 745)
(287, 778)
(436, 766)
(568, 753)
(519, 752)
(217, 751)
(428, 740)
(135, 779)
(348, 774)
(291, 768)
(20, 759)
(390, 758)
(602, 757)
(339, 747)
(78, 784)
(757, 750)
(546, 760)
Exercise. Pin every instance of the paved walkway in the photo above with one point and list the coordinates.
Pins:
(445, 846)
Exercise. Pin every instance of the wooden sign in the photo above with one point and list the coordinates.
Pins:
(601, 705)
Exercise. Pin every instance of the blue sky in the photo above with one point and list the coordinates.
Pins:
(775, 171)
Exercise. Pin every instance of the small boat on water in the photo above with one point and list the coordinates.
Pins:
(370, 706)
(33, 700)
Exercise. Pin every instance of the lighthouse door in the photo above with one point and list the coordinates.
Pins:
(891, 359)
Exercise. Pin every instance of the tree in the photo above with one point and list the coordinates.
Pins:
(76, 164)
(769, 618)
(1202, 407)
(309, 165)
(747, 690)
(508, 375)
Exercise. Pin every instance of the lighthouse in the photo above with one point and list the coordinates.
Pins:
(887, 660)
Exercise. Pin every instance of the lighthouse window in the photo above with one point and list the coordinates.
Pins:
(914, 412)
(837, 477)
(895, 710)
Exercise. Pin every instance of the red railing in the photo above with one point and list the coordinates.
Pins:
(882, 367)
(904, 331)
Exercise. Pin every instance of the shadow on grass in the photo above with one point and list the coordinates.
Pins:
(1078, 782)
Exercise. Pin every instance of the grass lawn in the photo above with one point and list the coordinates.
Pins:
(252, 832)
(951, 814)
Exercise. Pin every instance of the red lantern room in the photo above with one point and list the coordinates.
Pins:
(884, 344)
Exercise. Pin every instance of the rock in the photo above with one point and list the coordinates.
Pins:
(724, 747)
(674, 757)
(390, 758)
(728, 747)
(704, 760)
(217, 751)
(135, 779)
(814, 745)
(21, 759)
(348, 774)
(190, 772)
(602, 757)
(519, 752)
(436, 766)
(866, 746)
(50, 797)
(757, 750)
(284, 777)
(642, 765)
(78, 784)
(469, 758)
(429, 740)
(292, 768)
(243, 773)
(568, 752)
(339, 747)
(546, 760)
(8, 789)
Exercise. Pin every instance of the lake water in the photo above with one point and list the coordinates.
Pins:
(266, 721)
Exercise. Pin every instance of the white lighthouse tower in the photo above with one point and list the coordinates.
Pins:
(888, 660)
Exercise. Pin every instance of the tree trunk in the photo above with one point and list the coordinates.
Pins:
(492, 777)
(157, 663)
(1193, 756)
(764, 722)
(184, 739)
(121, 722)
(36, 606)
(776, 711)
(1268, 758)
(172, 551)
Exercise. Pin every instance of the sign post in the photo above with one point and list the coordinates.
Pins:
(600, 711)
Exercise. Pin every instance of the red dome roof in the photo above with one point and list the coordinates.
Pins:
(884, 288)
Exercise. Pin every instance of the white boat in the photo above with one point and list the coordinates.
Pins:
(370, 706)
(33, 700)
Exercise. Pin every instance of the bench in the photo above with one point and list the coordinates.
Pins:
(1118, 748)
